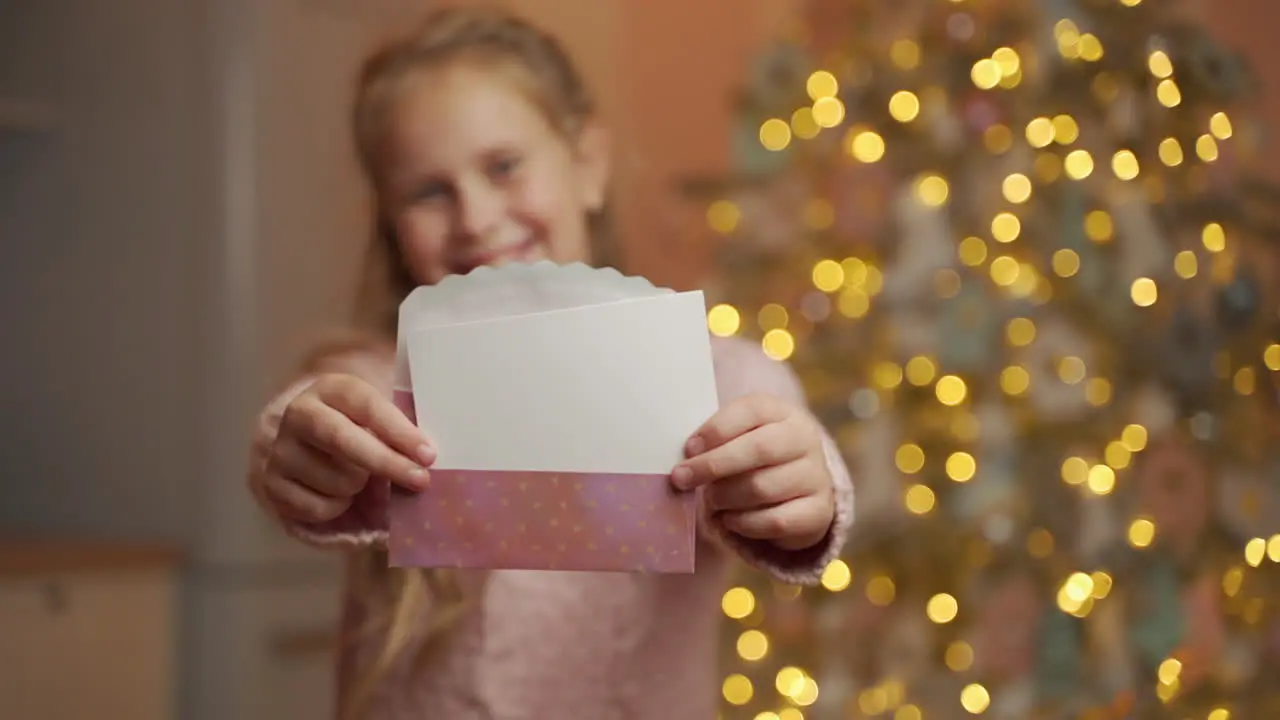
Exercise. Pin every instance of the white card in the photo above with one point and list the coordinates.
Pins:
(615, 388)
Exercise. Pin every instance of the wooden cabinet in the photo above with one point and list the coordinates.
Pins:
(86, 631)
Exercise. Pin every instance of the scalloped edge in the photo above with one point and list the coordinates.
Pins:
(489, 293)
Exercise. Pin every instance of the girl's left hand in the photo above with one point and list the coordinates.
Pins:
(766, 476)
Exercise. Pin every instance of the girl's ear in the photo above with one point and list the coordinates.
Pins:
(594, 159)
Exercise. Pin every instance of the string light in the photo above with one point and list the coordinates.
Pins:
(942, 608)
(822, 84)
(961, 467)
(1065, 129)
(909, 458)
(1206, 148)
(1170, 152)
(737, 689)
(1005, 227)
(919, 499)
(975, 699)
(1143, 292)
(803, 124)
(1066, 263)
(837, 576)
(775, 134)
(998, 139)
(1168, 94)
(920, 371)
(778, 344)
(865, 145)
(828, 112)
(1016, 188)
(1020, 331)
(1220, 126)
(1098, 226)
(723, 320)
(932, 190)
(904, 106)
(1159, 64)
(723, 216)
(1101, 480)
(1214, 238)
(905, 54)
(1142, 532)
(738, 603)
(985, 74)
(1078, 164)
(972, 251)
(828, 275)
(1040, 132)
(1125, 165)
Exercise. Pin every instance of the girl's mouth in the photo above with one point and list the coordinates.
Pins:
(523, 250)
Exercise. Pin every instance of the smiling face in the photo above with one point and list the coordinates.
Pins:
(472, 173)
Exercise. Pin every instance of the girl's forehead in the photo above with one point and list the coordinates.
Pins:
(460, 102)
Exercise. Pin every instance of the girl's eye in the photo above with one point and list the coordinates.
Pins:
(502, 168)
(431, 191)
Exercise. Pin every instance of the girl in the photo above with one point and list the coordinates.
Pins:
(480, 143)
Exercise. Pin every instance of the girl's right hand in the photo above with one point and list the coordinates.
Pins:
(333, 436)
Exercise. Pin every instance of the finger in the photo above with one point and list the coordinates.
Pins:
(319, 472)
(766, 446)
(294, 501)
(793, 525)
(362, 403)
(335, 434)
(756, 489)
(734, 420)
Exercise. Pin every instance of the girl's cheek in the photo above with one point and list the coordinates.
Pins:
(422, 246)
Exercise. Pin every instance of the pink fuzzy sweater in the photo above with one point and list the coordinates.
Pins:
(541, 645)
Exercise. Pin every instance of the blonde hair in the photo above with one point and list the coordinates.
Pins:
(543, 71)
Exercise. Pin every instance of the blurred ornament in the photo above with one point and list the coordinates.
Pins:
(772, 214)
(970, 327)
(924, 248)
(1186, 356)
(859, 196)
(1155, 618)
(989, 500)
(906, 650)
(1144, 250)
(1174, 489)
(777, 77)
(1214, 70)
(1248, 499)
(1057, 362)
(980, 112)
(1239, 303)
(879, 484)
(1154, 409)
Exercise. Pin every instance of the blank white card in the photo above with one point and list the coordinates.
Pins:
(617, 387)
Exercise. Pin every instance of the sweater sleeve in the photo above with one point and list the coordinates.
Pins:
(364, 524)
(741, 369)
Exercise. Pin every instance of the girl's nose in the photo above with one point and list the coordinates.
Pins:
(480, 209)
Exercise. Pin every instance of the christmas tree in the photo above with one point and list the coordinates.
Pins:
(1013, 251)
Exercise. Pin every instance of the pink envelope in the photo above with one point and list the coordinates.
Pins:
(556, 433)
(543, 521)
